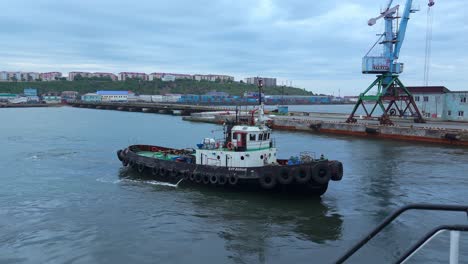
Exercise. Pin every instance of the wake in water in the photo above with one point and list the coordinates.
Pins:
(108, 181)
(157, 183)
(176, 185)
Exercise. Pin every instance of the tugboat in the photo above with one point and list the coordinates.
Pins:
(246, 158)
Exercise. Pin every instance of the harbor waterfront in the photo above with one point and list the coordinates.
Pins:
(401, 128)
(66, 198)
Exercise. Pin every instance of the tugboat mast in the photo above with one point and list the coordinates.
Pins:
(261, 113)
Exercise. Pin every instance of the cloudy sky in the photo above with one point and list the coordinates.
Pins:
(318, 45)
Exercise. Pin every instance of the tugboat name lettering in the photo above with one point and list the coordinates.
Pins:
(237, 169)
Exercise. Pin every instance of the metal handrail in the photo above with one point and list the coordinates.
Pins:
(429, 236)
(393, 216)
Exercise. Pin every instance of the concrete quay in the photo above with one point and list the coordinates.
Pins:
(160, 108)
(449, 133)
(8, 105)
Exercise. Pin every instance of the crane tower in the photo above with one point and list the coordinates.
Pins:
(391, 96)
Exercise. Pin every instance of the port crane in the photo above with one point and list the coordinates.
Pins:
(393, 98)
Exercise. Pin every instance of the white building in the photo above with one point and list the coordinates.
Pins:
(3, 76)
(456, 106)
(212, 77)
(114, 96)
(29, 76)
(440, 102)
(157, 98)
(14, 76)
(168, 78)
(171, 98)
(51, 99)
(161, 75)
(18, 76)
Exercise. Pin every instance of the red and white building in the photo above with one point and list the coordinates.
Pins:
(130, 75)
(50, 76)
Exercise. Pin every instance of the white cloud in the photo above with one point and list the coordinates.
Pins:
(316, 44)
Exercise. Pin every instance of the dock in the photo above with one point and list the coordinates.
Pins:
(8, 105)
(160, 108)
(449, 133)
(434, 131)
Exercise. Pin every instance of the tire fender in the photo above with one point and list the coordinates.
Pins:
(140, 167)
(285, 176)
(119, 155)
(214, 178)
(336, 168)
(302, 175)
(321, 173)
(233, 179)
(222, 179)
(206, 178)
(267, 181)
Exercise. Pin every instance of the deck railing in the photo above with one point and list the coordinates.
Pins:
(454, 229)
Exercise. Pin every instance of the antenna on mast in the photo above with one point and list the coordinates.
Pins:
(261, 117)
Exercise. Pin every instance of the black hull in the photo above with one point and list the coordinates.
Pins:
(310, 178)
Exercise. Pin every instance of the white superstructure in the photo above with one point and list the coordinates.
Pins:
(243, 146)
(250, 146)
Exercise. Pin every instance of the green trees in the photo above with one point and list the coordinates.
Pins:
(182, 86)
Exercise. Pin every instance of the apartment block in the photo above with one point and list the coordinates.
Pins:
(50, 76)
(130, 75)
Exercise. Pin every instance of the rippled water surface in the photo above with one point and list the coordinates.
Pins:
(64, 197)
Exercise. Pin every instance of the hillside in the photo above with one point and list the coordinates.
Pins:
(146, 87)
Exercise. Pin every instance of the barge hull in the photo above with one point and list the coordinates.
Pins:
(420, 134)
(447, 134)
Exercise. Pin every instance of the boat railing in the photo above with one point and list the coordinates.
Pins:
(307, 156)
(454, 232)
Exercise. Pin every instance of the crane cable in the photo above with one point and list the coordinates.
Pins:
(427, 59)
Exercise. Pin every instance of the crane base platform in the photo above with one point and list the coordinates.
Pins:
(392, 98)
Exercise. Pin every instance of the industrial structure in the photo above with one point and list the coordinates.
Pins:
(392, 97)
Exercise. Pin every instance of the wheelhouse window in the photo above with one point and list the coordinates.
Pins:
(416, 98)
(252, 137)
(426, 98)
(260, 137)
(461, 113)
(463, 99)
